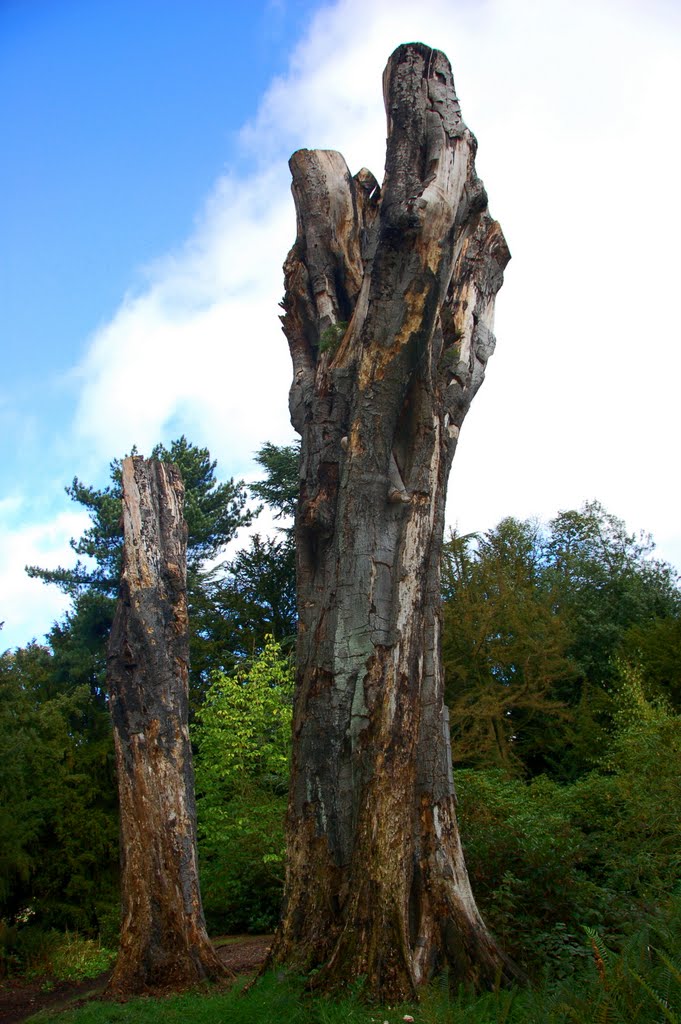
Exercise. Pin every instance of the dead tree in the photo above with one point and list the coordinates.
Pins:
(163, 941)
(388, 313)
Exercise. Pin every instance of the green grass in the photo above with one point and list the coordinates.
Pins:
(640, 984)
(272, 1000)
(619, 998)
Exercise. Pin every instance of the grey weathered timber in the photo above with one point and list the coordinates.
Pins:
(163, 940)
(388, 312)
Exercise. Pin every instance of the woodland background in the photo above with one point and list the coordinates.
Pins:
(561, 643)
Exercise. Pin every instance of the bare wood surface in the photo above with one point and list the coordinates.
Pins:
(389, 309)
(163, 936)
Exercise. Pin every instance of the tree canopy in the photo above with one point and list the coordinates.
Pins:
(534, 619)
(504, 648)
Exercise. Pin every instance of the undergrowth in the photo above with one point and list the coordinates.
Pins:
(33, 952)
(641, 984)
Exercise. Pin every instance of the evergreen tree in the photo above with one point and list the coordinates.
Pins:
(58, 824)
(257, 596)
(279, 488)
(213, 511)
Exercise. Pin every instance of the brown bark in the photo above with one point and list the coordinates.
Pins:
(388, 313)
(163, 940)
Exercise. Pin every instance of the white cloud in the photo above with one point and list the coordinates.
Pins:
(574, 107)
(201, 347)
(24, 601)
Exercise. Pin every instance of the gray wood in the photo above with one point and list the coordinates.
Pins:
(388, 312)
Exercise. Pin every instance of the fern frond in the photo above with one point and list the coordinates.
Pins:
(657, 999)
(570, 1013)
(673, 969)
(604, 1014)
(508, 999)
(601, 954)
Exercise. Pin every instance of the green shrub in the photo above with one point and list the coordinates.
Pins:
(524, 856)
(241, 846)
(28, 950)
(34, 951)
(547, 859)
(640, 983)
(75, 957)
(243, 738)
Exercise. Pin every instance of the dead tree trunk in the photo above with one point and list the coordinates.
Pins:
(388, 312)
(163, 934)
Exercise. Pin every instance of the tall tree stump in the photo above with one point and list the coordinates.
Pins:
(163, 941)
(389, 309)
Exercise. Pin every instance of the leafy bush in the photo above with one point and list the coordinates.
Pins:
(32, 951)
(241, 847)
(243, 737)
(23, 949)
(641, 983)
(524, 858)
(547, 859)
(75, 957)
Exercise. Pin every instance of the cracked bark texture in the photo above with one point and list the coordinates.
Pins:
(388, 312)
(163, 941)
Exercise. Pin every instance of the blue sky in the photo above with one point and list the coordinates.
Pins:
(117, 118)
(145, 214)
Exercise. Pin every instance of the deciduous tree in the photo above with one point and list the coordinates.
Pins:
(505, 651)
(243, 739)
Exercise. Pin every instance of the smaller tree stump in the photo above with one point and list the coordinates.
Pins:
(163, 943)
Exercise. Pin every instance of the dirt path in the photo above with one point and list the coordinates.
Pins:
(20, 999)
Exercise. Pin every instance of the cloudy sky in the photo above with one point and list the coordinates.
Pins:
(146, 212)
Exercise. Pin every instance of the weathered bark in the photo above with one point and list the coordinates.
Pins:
(163, 934)
(388, 313)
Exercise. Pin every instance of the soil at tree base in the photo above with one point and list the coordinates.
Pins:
(20, 999)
